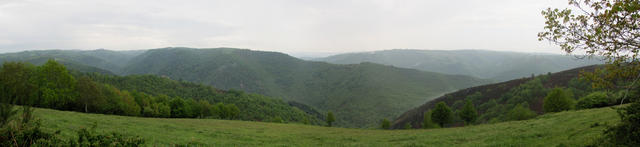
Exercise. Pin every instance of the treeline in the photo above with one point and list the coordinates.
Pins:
(104, 98)
(51, 85)
(252, 107)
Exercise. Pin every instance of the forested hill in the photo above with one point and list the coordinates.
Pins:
(52, 86)
(495, 102)
(359, 94)
(500, 66)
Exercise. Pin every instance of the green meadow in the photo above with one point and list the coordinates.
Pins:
(572, 128)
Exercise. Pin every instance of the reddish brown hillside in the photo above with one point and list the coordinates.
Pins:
(491, 91)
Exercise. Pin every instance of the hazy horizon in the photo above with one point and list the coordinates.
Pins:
(293, 27)
(302, 55)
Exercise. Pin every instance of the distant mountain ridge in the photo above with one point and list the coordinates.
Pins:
(496, 65)
(101, 60)
(360, 94)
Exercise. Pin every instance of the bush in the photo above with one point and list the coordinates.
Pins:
(594, 100)
(88, 137)
(558, 100)
(330, 119)
(521, 112)
(25, 131)
(385, 124)
(427, 123)
(408, 126)
(627, 132)
(624, 96)
(6, 112)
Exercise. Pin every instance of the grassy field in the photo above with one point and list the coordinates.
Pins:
(573, 128)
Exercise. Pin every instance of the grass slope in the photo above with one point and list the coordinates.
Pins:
(572, 128)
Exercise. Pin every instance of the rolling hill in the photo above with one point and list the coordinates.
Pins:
(569, 128)
(499, 66)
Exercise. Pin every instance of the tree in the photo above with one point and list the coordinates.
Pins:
(129, 106)
(330, 118)
(441, 114)
(216, 111)
(15, 86)
(557, 100)
(88, 93)
(17, 83)
(178, 108)
(194, 108)
(604, 28)
(385, 124)
(233, 111)
(148, 111)
(142, 99)
(163, 109)
(608, 29)
(56, 85)
(205, 109)
(468, 113)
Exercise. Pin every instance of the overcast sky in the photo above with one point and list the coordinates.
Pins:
(290, 26)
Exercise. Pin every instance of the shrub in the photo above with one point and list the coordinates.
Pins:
(594, 100)
(627, 132)
(521, 112)
(558, 100)
(427, 122)
(25, 131)
(407, 126)
(330, 119)
(385, 124)
(89, 137)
